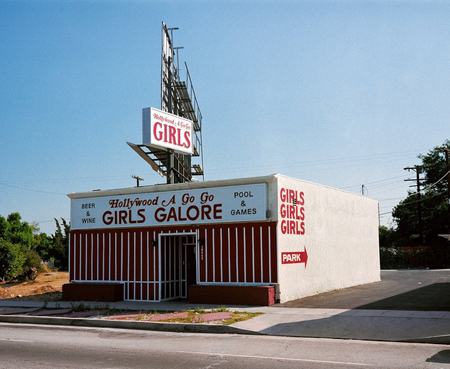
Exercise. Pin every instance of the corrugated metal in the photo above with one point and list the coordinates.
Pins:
(152, 262)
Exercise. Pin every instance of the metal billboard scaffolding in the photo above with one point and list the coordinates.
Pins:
(178, 98)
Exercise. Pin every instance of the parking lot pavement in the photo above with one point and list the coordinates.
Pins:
(416, 290)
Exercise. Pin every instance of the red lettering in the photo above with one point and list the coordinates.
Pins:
(283, 194)
(141, 214)
(217, 211)
(188, 212)
(123, 217)
(172, 215)
(187, 138)
(292, 195)
(206, 211)
(179, 137)
(165, 132)
(180, 217)
(172, 139)
(160, 216)
(302, 214)
(157, 131)
(283, 210)
(301, 200)
(107, 218)
(292, 212)
(283, 227)
(292, 225)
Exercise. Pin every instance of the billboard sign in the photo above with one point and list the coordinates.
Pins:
(243, 203)
(167, 131)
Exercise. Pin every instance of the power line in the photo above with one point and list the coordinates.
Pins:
(28, 189)
(315, 163)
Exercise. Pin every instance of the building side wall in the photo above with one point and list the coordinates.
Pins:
(328, 239)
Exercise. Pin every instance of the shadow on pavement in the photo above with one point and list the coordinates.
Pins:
(405, 306)
(413, 290)
(442, 357)
(435, 297)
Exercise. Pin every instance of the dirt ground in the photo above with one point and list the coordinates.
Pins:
(46, 287)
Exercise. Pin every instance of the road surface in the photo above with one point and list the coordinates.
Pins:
(31, 346)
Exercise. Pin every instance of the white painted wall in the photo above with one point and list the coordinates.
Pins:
(341, 240)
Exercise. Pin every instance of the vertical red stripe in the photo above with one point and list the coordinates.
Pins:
(217, 255)
(225, 272)
(257, 254)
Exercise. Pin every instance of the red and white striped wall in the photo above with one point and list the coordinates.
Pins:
(152, 262)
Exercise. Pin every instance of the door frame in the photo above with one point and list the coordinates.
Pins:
(179, 235)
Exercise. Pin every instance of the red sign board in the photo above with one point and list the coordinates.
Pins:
(294, 257)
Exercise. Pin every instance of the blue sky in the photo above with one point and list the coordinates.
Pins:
(340, 93)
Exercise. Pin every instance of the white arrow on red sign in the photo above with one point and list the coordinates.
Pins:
(294, 257)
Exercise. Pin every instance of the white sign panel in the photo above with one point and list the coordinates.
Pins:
(244, 203)
(167, 131)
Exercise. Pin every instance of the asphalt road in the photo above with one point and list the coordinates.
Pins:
(419, 290)
(27, 346)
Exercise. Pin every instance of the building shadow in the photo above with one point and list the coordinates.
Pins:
(442, 357)
(434, 297)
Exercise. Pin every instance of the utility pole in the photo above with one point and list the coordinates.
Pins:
(137, 178)
(418, 169)
(447, 163)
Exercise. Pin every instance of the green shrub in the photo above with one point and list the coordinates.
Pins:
(32, 260)
(391, 258)
(11, 260)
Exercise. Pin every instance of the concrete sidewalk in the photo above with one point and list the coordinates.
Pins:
(378, 325)
(406, 306)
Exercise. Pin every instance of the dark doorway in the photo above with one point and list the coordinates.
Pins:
(191, 264)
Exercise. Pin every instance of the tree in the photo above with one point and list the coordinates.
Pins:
(15, 231)
(60, 250)
(43, 245)
(434, 202)
(386, 236)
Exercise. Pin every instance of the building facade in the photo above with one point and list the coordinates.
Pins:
(244, 241)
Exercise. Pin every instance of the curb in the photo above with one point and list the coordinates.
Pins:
(150, 326)
(435, 340)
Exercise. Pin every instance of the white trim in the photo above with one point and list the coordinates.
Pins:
(234, 284)
(261, 252)
(245, 256)
(229, 255)
(115, 256)
(109, 256)
(154, 269)
(253, 254)
(237, 255)
(141, 266)
(221, 258)
(103, 257)
(85, 259)
(270, 256)
(205, 247)
(92, 257)
(213, 246)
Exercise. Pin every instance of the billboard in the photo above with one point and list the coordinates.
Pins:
(167, 131)
(244, 203)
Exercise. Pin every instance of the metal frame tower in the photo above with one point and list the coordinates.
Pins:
(177, 97)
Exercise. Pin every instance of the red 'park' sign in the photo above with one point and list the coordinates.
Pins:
(294, 257)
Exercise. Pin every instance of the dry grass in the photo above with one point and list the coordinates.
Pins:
(46, 287)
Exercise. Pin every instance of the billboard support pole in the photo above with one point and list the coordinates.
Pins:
(170, 156)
